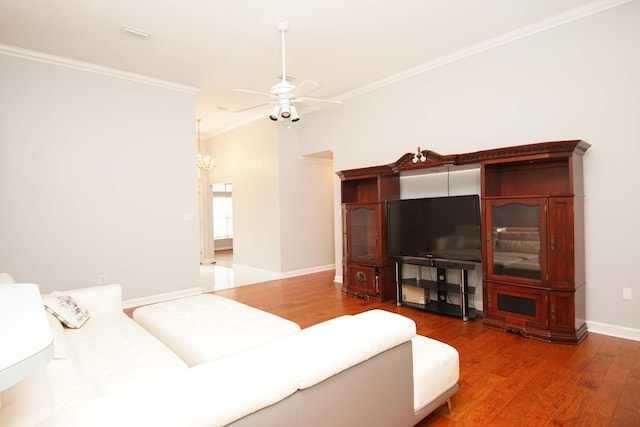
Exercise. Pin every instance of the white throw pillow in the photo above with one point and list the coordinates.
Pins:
(66, 309)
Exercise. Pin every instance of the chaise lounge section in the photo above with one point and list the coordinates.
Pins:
(207, 327)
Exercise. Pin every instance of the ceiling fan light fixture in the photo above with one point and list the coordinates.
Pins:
(274, 114)
(294, 114)
(286, 111)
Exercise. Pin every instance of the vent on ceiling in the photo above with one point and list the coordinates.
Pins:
(135, 32)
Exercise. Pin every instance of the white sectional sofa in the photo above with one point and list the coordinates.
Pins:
(367, 369)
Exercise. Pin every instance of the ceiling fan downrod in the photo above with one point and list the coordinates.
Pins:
(283, 27)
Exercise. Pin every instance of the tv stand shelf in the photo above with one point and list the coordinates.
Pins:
(436, 295)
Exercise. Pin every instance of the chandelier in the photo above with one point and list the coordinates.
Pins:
(205, 163)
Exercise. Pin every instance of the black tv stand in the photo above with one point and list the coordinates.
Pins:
(436, 295)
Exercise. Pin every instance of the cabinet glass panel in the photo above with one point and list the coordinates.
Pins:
(363, 233)
(516, 240)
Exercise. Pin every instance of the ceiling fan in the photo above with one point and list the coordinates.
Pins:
(285, 94)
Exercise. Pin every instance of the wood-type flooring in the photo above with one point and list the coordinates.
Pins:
(505, 379)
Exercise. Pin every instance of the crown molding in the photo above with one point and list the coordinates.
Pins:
(537, 27)
(93, 68)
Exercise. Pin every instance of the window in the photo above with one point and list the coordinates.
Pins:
(222, 211)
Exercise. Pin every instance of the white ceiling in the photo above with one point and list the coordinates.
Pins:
(218, 45)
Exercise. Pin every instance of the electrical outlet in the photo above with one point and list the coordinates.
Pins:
(102, 279)
(627, 294)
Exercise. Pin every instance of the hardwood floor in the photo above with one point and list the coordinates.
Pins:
(505, 379)
(224, 258)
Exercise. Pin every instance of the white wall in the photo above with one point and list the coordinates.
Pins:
(282, 203)
(306, 207)
(247, 157)
(575, 81)
(96, 176)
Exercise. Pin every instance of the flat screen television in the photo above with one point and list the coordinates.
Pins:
(435, 227)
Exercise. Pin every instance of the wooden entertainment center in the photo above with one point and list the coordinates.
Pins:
(532, 210)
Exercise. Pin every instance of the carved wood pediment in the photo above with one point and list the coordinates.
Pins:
(519, 153)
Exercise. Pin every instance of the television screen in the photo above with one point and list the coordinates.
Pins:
(438, 227)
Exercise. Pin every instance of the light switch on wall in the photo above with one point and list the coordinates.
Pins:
(627, 294)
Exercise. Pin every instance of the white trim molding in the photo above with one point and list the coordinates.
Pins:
(304, 271)
(537, 27)
(93, 68)
(614, 330)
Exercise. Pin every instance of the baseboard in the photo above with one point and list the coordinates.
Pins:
(152, 299)
(274, 275)
(304, 271)
(245, 275)
(613, 330)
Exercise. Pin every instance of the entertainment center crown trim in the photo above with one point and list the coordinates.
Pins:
(532, 216)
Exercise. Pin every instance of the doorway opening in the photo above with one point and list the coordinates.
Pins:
(222, 209)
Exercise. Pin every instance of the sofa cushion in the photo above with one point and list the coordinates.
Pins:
(326, 349)
(99, 299)
(206, 327)
(27, 402)
(435, 369)
(117, 353)
(66, 309)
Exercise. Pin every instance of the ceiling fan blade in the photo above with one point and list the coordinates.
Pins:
(307, 99)
(305, 87)
(250, 107)
(252, 92)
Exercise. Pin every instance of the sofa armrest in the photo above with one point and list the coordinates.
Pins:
(99, 299)
(328, 348)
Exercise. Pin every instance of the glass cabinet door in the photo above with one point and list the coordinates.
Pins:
(362, 236)
(515, 238)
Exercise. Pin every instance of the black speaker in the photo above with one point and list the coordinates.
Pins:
(518, 305)
(441, 282)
